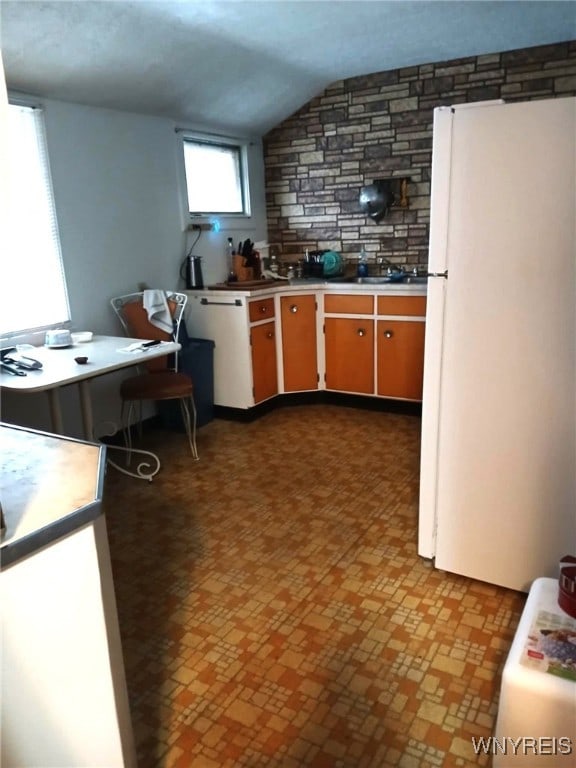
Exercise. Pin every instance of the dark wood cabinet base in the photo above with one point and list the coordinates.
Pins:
(312, 398)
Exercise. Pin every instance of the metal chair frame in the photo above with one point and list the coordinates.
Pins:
(178, 300)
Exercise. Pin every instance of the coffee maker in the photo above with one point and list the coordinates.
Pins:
(193, 273)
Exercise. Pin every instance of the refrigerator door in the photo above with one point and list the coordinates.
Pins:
(437, 262)
(506, 454)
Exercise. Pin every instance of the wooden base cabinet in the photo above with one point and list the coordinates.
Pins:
(263, 342)
(299, 355)
(400, 358)
(372, 344)
(349, 343)
(400, 346)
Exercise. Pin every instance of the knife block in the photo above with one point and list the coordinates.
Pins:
(242, 272)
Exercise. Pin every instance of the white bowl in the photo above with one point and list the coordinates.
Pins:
(82, 336)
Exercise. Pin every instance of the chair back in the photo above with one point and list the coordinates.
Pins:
(136, 324)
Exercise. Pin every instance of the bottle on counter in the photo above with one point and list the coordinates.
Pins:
(273, 263)
(230, 253)
(363, 264)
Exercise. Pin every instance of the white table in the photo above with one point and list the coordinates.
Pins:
(60, 369)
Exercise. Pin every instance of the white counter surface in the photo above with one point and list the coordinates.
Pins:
(49, 486)
(305, 286)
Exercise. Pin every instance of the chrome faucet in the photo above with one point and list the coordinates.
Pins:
(381, 261)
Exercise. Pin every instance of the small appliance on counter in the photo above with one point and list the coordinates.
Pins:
(193, 272)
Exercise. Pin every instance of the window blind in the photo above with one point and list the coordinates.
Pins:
(33, 281)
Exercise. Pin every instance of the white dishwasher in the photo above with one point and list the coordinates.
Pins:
(224, 320)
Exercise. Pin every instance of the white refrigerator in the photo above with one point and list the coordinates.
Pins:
(498, 462)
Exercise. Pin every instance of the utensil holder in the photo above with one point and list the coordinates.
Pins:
(242, 272)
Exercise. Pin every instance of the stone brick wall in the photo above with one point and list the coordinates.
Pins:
(380, 126)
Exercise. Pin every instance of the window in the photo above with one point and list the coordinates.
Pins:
(34, 294)
(215, 177)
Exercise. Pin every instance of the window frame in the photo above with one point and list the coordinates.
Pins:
(240, 146)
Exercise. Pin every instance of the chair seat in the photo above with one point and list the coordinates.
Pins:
(160, 385)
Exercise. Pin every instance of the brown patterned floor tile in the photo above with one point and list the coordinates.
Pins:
(273, 609)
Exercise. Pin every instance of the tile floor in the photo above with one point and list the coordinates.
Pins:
(273, 609)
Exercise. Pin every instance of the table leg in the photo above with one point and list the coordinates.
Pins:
(86, 407)
(145, 469)
(55, 411)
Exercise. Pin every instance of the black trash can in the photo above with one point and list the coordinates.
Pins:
(196, 358)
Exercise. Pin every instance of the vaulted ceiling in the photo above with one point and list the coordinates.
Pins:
(243, 66)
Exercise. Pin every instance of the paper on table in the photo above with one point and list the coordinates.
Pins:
(551, 645)
(138, 346)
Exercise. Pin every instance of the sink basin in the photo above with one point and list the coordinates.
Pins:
(383, 280)
(415, 280)
(375, 280)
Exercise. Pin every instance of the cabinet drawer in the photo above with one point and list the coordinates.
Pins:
(336, 303)
(260, 309)
(402, 305)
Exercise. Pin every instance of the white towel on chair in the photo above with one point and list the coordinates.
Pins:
(156, 306)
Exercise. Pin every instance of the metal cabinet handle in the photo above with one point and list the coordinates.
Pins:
(388, 334)
(263, 308)
(293, 308)
(270, 335)
(361, 332)
(235, 303)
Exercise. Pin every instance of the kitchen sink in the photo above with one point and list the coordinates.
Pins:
(382, 280)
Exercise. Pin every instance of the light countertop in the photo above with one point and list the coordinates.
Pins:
(273, 287)
(49, 487)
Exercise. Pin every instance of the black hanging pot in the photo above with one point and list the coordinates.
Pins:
(376, 198)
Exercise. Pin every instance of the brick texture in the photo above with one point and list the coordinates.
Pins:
(380, 126)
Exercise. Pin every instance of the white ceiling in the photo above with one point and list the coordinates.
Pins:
(242, 66)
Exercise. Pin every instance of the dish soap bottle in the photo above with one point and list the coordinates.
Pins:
(363, 264)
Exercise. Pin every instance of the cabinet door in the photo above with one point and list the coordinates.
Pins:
(350, 354)
(263, 341)
(298, 315)
(400, 362)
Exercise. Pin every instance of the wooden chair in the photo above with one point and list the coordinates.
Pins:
(162, 380)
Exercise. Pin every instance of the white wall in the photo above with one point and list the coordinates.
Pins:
(118, 184)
